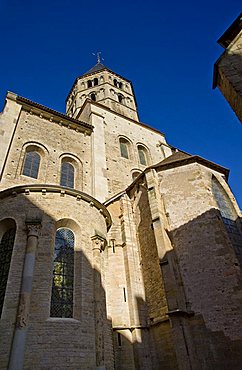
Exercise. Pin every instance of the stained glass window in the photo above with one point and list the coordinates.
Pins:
(67, 175)
(63, 275)
(31, 164)
(142, 155)
(6, 248)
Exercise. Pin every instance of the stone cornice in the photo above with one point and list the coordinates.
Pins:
(45, 189)
(53, 115)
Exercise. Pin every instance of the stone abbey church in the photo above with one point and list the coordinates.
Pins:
(117, 251)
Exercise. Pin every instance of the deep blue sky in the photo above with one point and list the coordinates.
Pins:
(167, 49)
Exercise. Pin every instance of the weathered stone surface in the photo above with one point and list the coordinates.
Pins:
(157, 275)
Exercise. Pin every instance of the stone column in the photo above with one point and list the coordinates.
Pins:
(18, 346)
(99, 300)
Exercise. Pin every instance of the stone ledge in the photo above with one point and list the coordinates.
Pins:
(38, 188)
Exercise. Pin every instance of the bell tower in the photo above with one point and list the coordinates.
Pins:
(103, 86)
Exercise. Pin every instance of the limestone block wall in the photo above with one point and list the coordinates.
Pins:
(156, 286)
(209, 271)
(83, 341)
(8, 121)
(229, 69)
(125, 291)
(115, 169)
(54, 143)
(191, 275)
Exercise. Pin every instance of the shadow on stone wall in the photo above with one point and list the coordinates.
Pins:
(84, 341)
(228, 77)
(190, 318)
(196, 309)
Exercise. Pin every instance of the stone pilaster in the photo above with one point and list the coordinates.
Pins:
(98, 245)
(17, 351)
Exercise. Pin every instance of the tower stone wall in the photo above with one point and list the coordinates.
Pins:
(150, 277)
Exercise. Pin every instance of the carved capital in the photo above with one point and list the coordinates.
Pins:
(98, 242)
(33, 229)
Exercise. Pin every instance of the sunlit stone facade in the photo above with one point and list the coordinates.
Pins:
(117, 250)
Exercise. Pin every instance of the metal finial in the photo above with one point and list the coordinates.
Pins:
(98, 56)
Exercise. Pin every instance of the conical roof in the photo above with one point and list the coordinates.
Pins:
(98, 67)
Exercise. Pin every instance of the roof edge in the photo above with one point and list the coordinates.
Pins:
(91, 73)
(119, 114)
(26, 101)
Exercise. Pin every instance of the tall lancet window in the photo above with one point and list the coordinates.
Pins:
(229, 217)
(63, 275)
(31, 164)
(6, 248)
(67, 175)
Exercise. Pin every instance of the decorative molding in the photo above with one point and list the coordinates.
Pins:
(33, 228)
(37, 188)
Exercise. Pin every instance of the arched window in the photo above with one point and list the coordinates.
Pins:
(124, 148)
(142, 155)
(67, 175)
(120, 85)
(89, 83)
(135, 174)
(229, 217)
(63, 275)
(31, 164)
(95, 81)
(93, 97)
(6, 248)
(115, 82)
(120, 98)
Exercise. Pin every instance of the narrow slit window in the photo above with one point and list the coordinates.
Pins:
(63, 275)
(119, 340)
(124, 291)
(31, 164)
